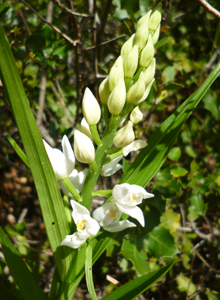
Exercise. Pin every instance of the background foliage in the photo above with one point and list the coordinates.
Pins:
(186, 207)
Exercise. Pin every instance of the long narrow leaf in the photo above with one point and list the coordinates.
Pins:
(46, 184)
(151, 158)
(88, 269)
(23, 277)
(134, 288)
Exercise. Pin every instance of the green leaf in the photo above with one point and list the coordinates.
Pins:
(134, 288)
(177, 171)
(88, 269)
(51, 202)
(185, 284)
(197, 207)
(211, 104)
(168, 74)
(170, 220)
(3, 9)
(6, 294)
(161, 243)
(19, 270)
(174, 153)
(102, 193)
(18, 150)
(160, 142)
(132, 249)
(35, 42)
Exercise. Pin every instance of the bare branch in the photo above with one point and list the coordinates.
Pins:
(69, 40)
(69, 11)
(210, 8)
(104, 43)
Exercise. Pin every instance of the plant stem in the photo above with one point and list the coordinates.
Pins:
(91, 178)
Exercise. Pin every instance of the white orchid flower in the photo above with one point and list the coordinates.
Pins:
(77, 179)
(134, 146)
(85, 224)
(111, 167)
(127, 198)
(63, 162)
(108, 216)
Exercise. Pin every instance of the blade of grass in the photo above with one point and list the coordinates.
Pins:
(21, 274)
(46, 184)
(134, 288)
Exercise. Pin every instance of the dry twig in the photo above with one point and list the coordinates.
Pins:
(210, 8)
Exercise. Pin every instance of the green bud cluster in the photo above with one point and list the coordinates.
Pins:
(132, 76)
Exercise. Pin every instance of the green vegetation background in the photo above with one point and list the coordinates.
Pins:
(189, 181)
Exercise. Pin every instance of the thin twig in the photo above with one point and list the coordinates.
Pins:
(69, 11)
(69, 40)
(210, 8)
(104, 43)
(77, 65)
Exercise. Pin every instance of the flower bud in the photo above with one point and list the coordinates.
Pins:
(104, 91)
(156, 35)
(131, 62)
(147, 53)
(117, 98)
(124, 136)
(116, 73)
(146, 93)
(144, 19)
(150, 72)
(136, 115)
(155, 20)
(136, 92)
(141, 34)
(126, 48)
(85, 128)
(91, 108)
(83, 148)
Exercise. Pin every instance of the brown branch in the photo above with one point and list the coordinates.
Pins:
(210, 8)
(69, 40)
(69, 11)
(104, 43)
(77, 65)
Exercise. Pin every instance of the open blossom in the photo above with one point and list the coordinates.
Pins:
(112, 167)
(63, 162)
(108, 216)
(77, 179)
(127, 198)
(85, 224)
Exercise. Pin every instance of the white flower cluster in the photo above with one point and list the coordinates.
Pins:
(127, 85)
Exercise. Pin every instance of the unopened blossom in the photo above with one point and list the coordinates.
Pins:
(136, 115)
(91, 108)
(85, 128)
(86, 226)
(83, 148)
(124, 136)
(63, 162)
(127, 198)
(116, 73)
(108, 216)
(137, 90)
(117, 98)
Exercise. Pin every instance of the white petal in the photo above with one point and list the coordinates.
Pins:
(58, 161)
(93, 227)
(139, 189)
(111, 167)
(78, 211)
(107, 214)
(72, 241)
(120, 191)
(68, 153)
(86, 129)
(134, 146)
(133, 211)
(119, 226)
